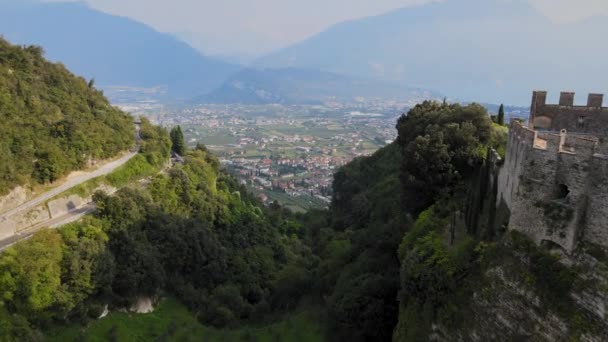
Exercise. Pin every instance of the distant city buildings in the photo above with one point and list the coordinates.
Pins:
(286, 151)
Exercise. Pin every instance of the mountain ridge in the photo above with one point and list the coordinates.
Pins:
(468, 49)
(305, 86)
(114, 50)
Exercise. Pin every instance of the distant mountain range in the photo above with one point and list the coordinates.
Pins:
(484, 50)
(306, 86)
(132, 61)
(113, 50)
(490, 51)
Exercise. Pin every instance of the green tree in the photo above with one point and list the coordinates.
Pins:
(50, 164)
(441, 144)
(84, 247)
(501, 115)
(177, 140)
(30, 273)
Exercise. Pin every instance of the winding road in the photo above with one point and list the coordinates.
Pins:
(69, 217)
(102, 171)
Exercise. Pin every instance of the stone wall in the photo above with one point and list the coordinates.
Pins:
(555, 186)
(481, 216)
(23, 220)
(28, 219)
(63, 206)
(596, 226)
(589, 119)
(519, 144)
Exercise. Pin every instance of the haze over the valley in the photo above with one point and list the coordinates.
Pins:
(254, 27)
(472, 50)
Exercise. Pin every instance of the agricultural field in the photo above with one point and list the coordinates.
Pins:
(287, 153)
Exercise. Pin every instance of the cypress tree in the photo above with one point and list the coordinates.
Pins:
(177, 140)
(501, 115)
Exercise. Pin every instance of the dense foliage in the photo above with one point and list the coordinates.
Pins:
(192, 232)
(443, 147)
(382, 260)
(441, 144)
(357, 242)
(51, 122)
(374, 203)
(437, 277)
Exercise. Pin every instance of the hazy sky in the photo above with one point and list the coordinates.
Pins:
(259, 26)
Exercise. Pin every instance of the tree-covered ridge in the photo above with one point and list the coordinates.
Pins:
(441, 146)
(376, 201)
(52, 122)
(191, 232)
(194, 233)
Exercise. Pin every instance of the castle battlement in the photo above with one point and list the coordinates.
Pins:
(566, 99)
(554, 180)
(590, 119)
(558, 142)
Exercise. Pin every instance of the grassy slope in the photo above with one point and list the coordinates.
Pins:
(171, 321)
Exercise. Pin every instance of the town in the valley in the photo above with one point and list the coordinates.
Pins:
(285, 153)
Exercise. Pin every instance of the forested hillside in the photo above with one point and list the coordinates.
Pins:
(402, 254)
(52, 122)
(413, 247)
(396, 257)
(192, 233)
(189, 232)
(376, 201)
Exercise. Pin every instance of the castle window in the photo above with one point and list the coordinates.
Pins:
(581, 122)
(561, 191)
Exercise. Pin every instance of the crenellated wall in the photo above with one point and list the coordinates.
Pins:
(555, 186)
(552, 186)
(589, 119)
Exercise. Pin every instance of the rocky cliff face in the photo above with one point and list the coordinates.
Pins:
(511, 306)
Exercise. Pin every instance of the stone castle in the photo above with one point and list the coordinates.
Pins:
(554, 181)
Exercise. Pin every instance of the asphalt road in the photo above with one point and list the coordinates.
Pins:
(72, 216)
(104, 170)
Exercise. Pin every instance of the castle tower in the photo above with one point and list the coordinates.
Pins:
(595, 100)
(554, 180)
(566, 99)
(539, 99)
(589, 119)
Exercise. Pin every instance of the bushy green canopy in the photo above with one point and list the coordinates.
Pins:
(51, 122)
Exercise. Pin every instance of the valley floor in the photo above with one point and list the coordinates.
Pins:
(171, 321)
